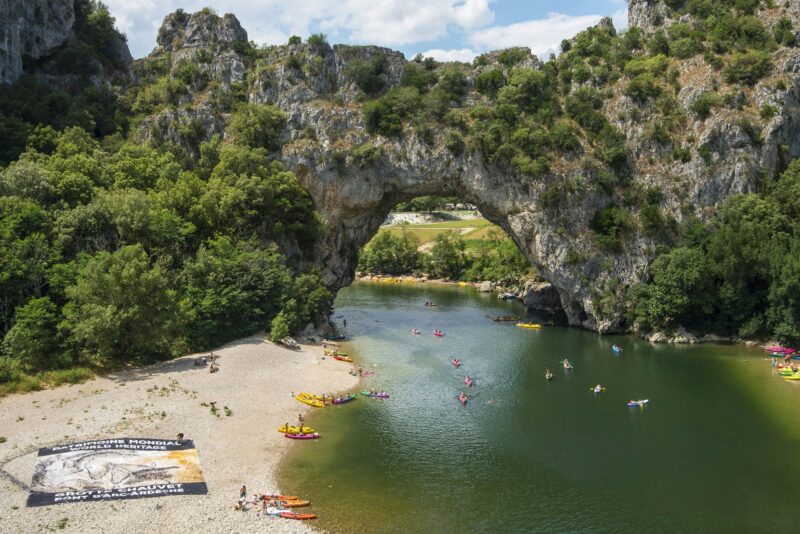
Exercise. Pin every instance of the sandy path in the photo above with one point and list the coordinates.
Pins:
(254, 381)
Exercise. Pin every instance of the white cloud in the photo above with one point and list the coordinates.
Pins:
(463, 54)
(381, 22)
(541, 36)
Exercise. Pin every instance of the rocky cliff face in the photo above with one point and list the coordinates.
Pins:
(355, 177)
(31, 30)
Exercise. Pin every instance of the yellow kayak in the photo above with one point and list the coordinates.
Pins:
(310, 402)
(295, 429)
(532, 326)
(312, 396)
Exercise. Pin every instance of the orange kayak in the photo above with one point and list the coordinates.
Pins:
(295, 503)
(292, 515)
(343, 358)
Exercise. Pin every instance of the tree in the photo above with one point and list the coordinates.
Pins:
(391, 254)
(121, 307)
(33, 339)
(446, 259)
(279, 327)
(257, 126)
(232, 289)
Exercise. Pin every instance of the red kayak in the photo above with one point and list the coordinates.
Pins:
(463, 399)
(292, 515)
(468, 381)
(456, 362)
(314, 435)
(438, 333)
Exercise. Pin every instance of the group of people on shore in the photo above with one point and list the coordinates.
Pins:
(202, 362)
(267, 504)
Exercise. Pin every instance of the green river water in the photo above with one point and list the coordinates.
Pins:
(714, 451)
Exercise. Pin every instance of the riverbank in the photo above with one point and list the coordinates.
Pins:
(254, 382)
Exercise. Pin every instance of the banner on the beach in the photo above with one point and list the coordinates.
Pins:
(114, 469)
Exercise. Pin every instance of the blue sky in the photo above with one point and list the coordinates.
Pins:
(444, 29)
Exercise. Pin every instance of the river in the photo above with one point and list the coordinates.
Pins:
(712, 452)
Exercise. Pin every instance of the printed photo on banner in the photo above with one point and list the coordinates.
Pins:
(114, 469)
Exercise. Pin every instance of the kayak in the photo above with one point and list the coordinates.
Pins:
(615, 349)
(456, 362)
(338, 337)
(295, 430)
(342, 400)
(292, 515)
(641, 402)
(531, 326)
(468, 381)
(342, 358)
(438, 333)
(597, 390)
(334, 353)
(549, 375)
(311, 402)
(786, 372)
(415, 331)
(295, 503)
(793, 377)
(379, 395)
(463, 399)
(313, 435)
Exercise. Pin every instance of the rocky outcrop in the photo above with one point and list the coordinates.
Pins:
(648, 15)
(541, 296)
(355, 177)
(31, 30)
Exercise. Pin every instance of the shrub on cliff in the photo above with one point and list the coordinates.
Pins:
(257, 126)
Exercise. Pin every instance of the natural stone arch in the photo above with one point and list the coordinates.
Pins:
(355, 199)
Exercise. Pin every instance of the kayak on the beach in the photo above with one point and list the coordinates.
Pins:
(311, 402)
(295, 430)
(342, 358)
(334, 353)
(456, 362)
(641, 402)
(382, 395)
(313, 435)
(294, 503)
(529, 326)
(342, 400)
(293, 515)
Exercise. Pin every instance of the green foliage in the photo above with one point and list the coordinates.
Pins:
(317, 40)
(366, 155)
(33, 340)
(385, 116)
(748, 67)
(418, 76)
(369, 75)
(703, 104)
(511, 56)
(489, 81)
(446, 259)
(737, 276)
(643, 88)
(390, 254)
(279, 327)
(232, 289)
(498, 260)
(121, 307)
(295, 40)
(257, 126)
(610, 226)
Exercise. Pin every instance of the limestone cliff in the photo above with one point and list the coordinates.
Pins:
(355, 176)
(30, 30)
(61, 44)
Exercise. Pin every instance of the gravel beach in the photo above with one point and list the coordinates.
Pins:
(254, 381)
